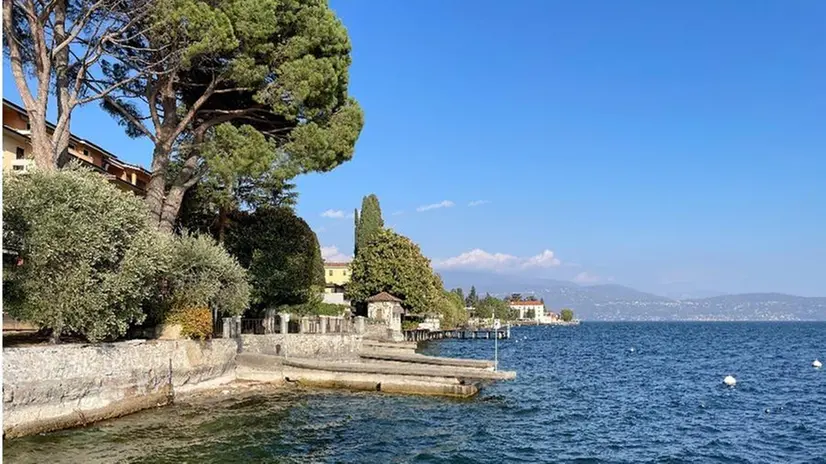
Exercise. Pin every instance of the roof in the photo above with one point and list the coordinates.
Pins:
(335, 264)
(73, 138)
(525, 303)
(382, 297)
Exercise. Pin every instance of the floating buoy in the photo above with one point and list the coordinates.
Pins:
(817, 364)
(632, 349)
(730, 381)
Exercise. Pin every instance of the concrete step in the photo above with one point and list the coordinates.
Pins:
(401, 369)
(374, 344)
(422, 359)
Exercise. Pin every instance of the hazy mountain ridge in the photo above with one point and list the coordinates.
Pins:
(613, 302)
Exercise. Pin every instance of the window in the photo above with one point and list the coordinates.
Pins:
(18, 167)
(21, 153)
(28, 125)
(85, 152)
(72, 146)
(330, 272)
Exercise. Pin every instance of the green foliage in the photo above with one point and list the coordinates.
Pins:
(460, 293)
(281, 253)
(472, 298)
(389, 262)
(195, 322)
(490, 306)
(566, 315)
(203, 275)
(410, 325)
(370, 222)
(264, 84)
(314, 306)
(90, 258)
(452, 310)
(355, 232)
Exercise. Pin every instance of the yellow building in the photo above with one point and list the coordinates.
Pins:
(17, 153)
(336, 276)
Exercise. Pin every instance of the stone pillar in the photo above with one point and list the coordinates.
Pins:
(302, 325)
(322, 322)
(285, 323)
(236, 326)
(226, 330)
(269, 321)
(360, 325)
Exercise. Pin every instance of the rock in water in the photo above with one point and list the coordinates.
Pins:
(730, 381)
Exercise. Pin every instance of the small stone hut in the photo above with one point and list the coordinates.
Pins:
(387, 308)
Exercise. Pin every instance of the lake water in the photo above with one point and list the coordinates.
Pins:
(596, 393)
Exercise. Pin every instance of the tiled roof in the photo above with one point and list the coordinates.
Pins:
(383, 296)
(334, 264)
(525, 303)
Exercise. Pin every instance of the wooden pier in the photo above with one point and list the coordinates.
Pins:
(419, 335)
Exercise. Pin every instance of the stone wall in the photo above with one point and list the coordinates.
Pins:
(53, 387)
(325, 346)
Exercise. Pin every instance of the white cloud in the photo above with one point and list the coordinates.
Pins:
(478, 203)
(331, 253)
(441, 204)
(398, 213)
(479, 259)
(544, 259)
(333, 214)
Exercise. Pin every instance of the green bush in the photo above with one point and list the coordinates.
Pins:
(566, 315)
(90, 259)
(201, 274)
(195, 322)
(314, 307)
(281, 253)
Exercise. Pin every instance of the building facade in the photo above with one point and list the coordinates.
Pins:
(336, 278)
(17, 153)
(336, 275)
(529, 310)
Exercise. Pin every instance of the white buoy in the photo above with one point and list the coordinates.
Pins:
(730, 381)
(632, 349)
(817, 364)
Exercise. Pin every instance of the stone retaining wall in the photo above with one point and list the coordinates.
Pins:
(53, 387)
(322, 346)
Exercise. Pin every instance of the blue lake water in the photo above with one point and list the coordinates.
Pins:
(596, 393)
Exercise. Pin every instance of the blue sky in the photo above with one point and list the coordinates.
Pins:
(669, 146)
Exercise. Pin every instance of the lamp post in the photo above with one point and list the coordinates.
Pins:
(496, 326)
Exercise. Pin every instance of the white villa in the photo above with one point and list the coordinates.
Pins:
(529, 310)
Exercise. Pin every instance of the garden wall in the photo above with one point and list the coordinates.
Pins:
(322, 346)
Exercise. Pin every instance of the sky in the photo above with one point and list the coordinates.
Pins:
(667, 146)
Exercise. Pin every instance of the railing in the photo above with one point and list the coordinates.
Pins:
(252, 326)
(234, 326)
(218, 328)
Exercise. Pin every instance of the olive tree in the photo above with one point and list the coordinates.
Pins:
(88, 258)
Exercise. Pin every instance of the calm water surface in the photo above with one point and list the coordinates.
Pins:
(597, 393)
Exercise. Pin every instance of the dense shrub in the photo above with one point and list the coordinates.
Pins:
(281, 253)
(201, 274)
(195, 322)
(314, 307)
(89, 259)
(566, 315)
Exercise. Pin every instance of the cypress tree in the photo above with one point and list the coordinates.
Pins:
(356, 232)
(370, 221)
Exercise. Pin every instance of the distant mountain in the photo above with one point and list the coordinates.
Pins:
(620, 303)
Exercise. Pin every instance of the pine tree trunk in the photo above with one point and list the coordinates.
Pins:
(171, 207)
